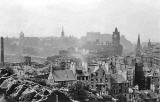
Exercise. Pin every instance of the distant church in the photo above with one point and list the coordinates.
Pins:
(116, 43)
(138, 47)
(62, 33)
(107, 48)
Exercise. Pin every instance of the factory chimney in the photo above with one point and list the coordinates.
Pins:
(2, 51)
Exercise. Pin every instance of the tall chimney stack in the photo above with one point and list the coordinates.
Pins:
(2, 51)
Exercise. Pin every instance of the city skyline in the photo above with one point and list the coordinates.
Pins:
(79, 51)
(46, 18)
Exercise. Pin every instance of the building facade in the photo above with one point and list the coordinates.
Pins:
(108, 48)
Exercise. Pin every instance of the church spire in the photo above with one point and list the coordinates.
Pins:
(139, 47)
(138, 42)
(116, 30)
(149, 43)
(62, 33)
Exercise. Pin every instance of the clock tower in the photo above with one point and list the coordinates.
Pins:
(117, 47)
(116, 37)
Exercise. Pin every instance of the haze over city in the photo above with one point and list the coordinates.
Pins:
(79, 51)
(46, 17)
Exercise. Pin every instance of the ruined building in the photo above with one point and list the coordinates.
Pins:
(107, 48)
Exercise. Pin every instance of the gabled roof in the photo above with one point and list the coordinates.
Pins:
(106, 68)
(63, 75)
(93, 69)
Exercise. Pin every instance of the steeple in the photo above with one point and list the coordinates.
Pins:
(116, 30)
(21, 35)
(139, 47)
(116, 37)
(138, 42)
(149, 43)
(62, 33)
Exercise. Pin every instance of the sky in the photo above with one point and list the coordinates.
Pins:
(46, 17)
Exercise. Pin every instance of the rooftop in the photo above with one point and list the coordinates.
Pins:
(117, 78)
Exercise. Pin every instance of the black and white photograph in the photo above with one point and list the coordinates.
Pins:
(79, 50)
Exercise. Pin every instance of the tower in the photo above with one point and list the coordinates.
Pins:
(116, 37)
(118, 48)
(50, 77)
(62, 33)
(2, 51)
(139, 47)
(139, 78)
(149, 44)
(21, 43)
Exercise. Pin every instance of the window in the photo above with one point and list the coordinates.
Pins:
(130, 84)
(92, 79)
(92, 75)
(130, 96)
(103, 73)
(92, 86)
(114, 91)
(96, 80)
(101, 80)
(119, 91)
(86, 77)
(125, 90)
(96, 74)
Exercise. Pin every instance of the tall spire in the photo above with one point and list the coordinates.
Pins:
(138, 42)
(139, 47)
(116, 30)
(62, 33)
(149, 43)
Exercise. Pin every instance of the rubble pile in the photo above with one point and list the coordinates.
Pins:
(20, 90)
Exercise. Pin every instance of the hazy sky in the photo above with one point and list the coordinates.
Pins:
(46, 17)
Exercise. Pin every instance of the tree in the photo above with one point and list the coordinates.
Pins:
(78, 91)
